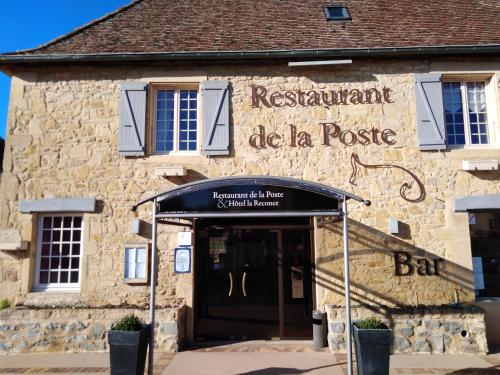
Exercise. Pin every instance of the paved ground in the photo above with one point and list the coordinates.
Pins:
(254, 358)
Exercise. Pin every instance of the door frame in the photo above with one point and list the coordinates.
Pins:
(278, 228)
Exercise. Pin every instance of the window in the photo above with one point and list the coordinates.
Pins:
(466, 116)
(136, 263)
(59, 250)
(485, 243)
(176, 120)
(336, 13)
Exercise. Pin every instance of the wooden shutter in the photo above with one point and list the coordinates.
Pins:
(215, 117)
(132, 133)
(430, 114)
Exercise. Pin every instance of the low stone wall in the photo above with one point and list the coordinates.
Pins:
(80, 329)
(458, 329)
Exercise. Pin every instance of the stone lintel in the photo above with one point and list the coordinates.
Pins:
(58, 205)
(477, 202)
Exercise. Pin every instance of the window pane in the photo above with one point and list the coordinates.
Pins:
(67, 222)
(75, 249)
(44, 277)
(454, 116)
(46, 236)
(56, 235)
(54, 262)
(77, 235)
(64, 277)
(67, 235)
(47, 222)
(77, 222)
(477, 112)
(57, 222)
(75, 263)
(53, 277)
(56, 250)
(64, 262)
(45, 249)
(164, 119)
(65, 249)
(74, 277)
(44, 264)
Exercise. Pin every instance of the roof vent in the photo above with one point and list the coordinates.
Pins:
(336, 13)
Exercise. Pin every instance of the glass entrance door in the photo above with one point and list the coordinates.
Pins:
(237, 283)
(252, 283)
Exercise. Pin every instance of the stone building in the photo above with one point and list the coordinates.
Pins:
(244, 120)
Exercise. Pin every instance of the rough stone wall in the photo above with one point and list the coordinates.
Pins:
(62, 142)
(431, 330)
(79, 330)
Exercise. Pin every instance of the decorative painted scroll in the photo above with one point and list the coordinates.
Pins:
(405, 188)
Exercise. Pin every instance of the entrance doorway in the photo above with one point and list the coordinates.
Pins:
(253, 279)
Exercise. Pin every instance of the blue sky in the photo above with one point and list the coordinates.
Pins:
(29, 23)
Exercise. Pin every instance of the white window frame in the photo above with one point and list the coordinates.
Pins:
(489, 81)
(177, 88)
(73, 287)
(136, 280)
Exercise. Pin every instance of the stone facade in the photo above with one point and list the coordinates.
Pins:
(62, 142)
(79, 330)
(418, 330)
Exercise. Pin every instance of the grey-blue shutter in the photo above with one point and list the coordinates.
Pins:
(132, 133)
(215, 117)
(430, 114)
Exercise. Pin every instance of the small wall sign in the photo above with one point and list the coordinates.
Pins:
(182, 259)
(184, 238)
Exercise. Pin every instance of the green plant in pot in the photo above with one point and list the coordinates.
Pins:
(373, 346)
(128, 341)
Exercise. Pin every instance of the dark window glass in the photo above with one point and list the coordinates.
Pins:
(485, 244)
(53, 277)
(44, 277)
(66, 235)
(44, 264)
(337, 13)
(64, 262)
(74, 277)
(75, 263)
(67, 222)
(45, 249)
(57, 221)
(64, 277)
(65, 249)
(47, 222)
(46, 236)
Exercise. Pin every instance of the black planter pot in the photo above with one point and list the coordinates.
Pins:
(373, 348)
(127, 351)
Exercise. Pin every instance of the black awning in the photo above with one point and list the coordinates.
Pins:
(249, 196)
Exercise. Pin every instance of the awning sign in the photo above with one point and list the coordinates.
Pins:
(255, 198)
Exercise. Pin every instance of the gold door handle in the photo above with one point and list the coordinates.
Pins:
(244, 284)
(230, 284)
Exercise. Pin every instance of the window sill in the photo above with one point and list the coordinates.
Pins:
(489, 152)
(181, 159)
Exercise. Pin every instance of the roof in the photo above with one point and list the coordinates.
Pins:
(246, 26)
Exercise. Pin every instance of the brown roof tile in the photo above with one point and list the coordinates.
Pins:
(149, 26)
